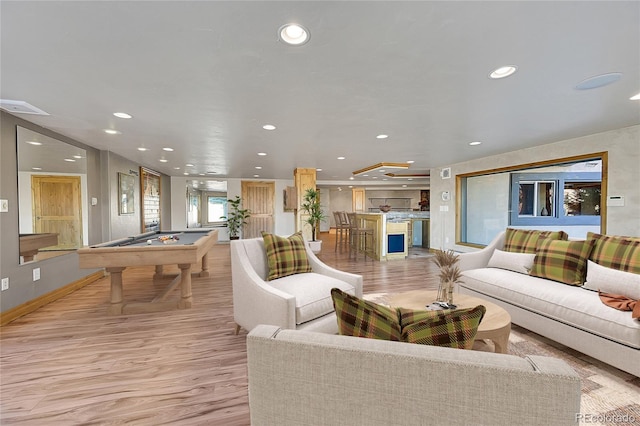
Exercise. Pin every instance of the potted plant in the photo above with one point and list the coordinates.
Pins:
(236, 217)
(312, 208)
(449, 274)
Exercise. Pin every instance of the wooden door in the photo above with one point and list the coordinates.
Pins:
(358, 200)
(57, 208)
(259, 199)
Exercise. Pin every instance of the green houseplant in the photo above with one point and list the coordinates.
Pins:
(313, 210)
(236, 217)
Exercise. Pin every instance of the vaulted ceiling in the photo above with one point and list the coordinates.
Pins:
(203, 77)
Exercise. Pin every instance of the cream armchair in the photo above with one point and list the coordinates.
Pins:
(300, 301)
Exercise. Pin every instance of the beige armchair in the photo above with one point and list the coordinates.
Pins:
(300, 301)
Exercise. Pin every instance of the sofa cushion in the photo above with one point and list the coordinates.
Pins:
(622, 253)
(312, 292)
(608, 280)
(285, 255)
(526, 240)
(516, 262)
(570, 305)
(361, 318)
(454, 329)
(563, 261)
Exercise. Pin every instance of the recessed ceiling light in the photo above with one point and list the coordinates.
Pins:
(162, 160)
(167, 149)
(186, 173)
(293, 34)
(258, 167)
(34, 143)
(404, 186)
(262, 154)
(475, 143)
(211, 173)
(599, 81)
(189, 165)
(503, 72)
(318, 170)
(635, 98)
(269, 127)
(70, 160)
(256, 175)
(341, 158)
(410, 161)
(111, 132)
(382, 136)
(351, 178)
(142, 148)
(122, 115)
(36, 168)
(77, 156)
(176, 168)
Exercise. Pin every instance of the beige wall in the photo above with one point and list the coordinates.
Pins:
(622, 145)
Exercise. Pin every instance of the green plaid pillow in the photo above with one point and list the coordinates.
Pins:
(622, 253)
(285, 255)
(564, 261)
(526, 240)
(454, 329)
(360, 318)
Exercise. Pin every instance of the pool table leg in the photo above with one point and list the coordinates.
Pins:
(116, 290)
(185, 286)
(205, 266)
(159, 274)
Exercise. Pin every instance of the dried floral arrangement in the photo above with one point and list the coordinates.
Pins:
(449, 274)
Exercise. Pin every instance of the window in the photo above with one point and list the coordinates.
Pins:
(539, 203)
(216, 208)
(564, 194)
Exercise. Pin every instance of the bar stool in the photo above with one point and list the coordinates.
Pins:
(342, 229)
(358, 236)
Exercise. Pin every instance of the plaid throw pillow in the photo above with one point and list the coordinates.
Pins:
(285, 255)
(526, 240)
(454, 329)
(360, 318)
(621, 253)
(563, 261)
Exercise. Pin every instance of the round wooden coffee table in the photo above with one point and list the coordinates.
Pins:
(495, 325)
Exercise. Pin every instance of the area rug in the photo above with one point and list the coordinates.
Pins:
(609, 396)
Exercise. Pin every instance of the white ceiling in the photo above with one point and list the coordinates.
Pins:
(203, 77)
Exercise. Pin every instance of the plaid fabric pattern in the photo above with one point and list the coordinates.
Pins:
(454, 329)
(360, 318)
(563, 261)
(621, 253)
(285, 255)
(526, 240)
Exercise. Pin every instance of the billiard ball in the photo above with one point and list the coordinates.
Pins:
(149, 241)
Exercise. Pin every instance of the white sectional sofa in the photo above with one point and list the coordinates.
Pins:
(571, 315)
(298, 377)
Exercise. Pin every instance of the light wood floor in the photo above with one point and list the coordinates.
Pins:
(70, 363)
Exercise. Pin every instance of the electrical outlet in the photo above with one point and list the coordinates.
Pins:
(5, 284)
(4, 206)
(36, 274)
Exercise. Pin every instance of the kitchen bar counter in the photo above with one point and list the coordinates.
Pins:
(394, 224)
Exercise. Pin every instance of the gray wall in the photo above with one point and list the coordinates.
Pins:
(102, 180)
(622, 145)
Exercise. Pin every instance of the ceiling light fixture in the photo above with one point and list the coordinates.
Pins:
(167, 149)
(162, 160)
(293, 34)
(111, 132)
(599, 81)
(503, 72)
(269, 127)
(341, 158)
(142, 148)
(262, 154)
(635, 98)
(475, 143)
(123, 115)
(34, 143)
(382, 136)
(189, 165)
(381, 166)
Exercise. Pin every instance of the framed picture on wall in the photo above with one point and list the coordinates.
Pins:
(126, 194)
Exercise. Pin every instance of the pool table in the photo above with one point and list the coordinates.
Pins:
(185, 249)
(30, 244)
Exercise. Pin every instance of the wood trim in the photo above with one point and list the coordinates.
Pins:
(30, 306)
